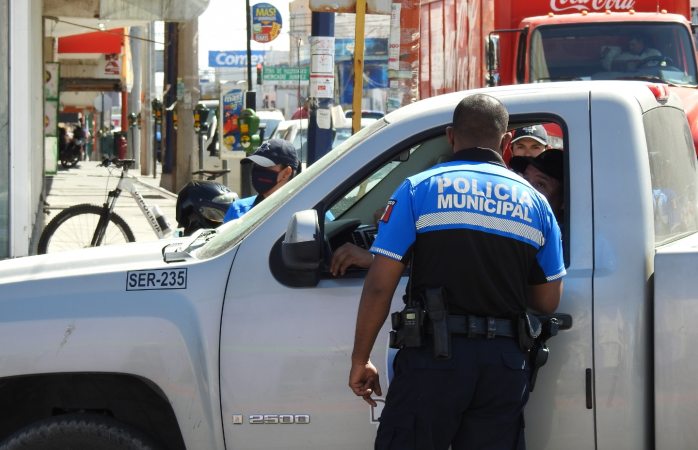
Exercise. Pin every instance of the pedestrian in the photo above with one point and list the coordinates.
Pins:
(275, 162)
(303, 112)
(483, 246)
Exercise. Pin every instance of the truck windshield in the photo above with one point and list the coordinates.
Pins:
(660, 52)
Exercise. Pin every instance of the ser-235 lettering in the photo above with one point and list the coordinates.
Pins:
(141, 280)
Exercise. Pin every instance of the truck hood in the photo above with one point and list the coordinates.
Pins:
(111, 258)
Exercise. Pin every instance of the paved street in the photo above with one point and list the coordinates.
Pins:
(89, 183)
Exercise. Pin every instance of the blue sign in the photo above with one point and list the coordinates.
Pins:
(234, 58)
(374, 49)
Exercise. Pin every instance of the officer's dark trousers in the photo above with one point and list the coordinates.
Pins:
(473, 401)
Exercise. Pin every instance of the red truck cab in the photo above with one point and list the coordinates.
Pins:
(581, 45)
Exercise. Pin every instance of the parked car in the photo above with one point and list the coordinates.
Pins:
(269, 119)
(368, 113)
(296, 132)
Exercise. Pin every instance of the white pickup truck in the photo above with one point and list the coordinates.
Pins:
(239, 338)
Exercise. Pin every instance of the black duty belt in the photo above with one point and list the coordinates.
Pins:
(473, 326)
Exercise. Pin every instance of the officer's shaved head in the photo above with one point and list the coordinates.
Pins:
(480, 120)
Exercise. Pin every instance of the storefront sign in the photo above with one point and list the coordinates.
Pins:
(234, 58)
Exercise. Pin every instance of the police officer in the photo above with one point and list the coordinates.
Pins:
(275, 163)
(490, 243)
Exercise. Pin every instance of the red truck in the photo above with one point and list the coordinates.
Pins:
(491, 42)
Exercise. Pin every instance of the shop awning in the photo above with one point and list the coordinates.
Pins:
(108, 42)
(166, 10)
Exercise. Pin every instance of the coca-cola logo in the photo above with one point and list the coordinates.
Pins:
(591, 5)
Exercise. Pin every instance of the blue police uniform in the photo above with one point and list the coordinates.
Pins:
(483, 234)
(240, 207)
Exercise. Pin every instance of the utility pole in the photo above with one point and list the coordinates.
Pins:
(320, 134)
(169, 98)
(187, 99)
(134, 100)
(250, 95)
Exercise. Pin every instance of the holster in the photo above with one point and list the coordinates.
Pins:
(540, 352)
(529, 328)
(437, 313)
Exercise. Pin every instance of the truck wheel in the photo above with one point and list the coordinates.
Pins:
(78, 432)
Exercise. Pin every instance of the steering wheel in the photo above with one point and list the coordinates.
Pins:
(654, 61)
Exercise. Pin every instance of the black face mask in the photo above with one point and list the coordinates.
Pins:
(263, 179)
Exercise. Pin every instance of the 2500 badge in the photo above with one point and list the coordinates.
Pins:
(142, 280)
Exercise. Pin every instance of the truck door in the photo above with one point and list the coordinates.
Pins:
(285, 349)
(560, 411)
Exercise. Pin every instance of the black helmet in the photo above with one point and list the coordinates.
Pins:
(203, 204)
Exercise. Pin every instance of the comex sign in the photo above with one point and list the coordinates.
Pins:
(234, 58)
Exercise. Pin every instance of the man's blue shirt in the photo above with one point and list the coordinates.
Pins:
(239, 208)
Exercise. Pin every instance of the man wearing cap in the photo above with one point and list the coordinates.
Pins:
(529, 141)
(275, 163)
(545, 173)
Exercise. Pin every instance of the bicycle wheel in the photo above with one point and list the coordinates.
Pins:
(74, 227)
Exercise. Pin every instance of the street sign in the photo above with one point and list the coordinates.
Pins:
(284, 73)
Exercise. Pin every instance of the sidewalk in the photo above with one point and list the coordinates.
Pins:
(89, 183)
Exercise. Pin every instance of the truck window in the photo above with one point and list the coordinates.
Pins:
(229, 234)
(363, 201)
(604, 51)
(674, 175)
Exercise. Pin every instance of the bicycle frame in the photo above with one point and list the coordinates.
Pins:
(125, 184)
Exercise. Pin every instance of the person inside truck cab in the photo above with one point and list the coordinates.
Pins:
(529, 141)
(545, 174)
(636, 54)
(274, 163)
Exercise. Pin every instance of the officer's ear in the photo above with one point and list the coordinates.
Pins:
(450, 136)
(506, 139)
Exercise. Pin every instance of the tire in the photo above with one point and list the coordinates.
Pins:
(74, 227)
(78, 432)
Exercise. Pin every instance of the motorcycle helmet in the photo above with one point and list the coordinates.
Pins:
(202, 204)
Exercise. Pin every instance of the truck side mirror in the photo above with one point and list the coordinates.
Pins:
(492, 59)
(302, 246)
(296, 258)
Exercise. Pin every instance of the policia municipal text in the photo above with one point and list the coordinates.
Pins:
(462, 372)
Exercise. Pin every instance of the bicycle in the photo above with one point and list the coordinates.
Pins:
(66, 231)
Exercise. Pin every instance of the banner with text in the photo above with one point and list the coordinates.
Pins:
(234, 58)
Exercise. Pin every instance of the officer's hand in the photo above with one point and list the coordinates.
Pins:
(349, 255)
(363, 380)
